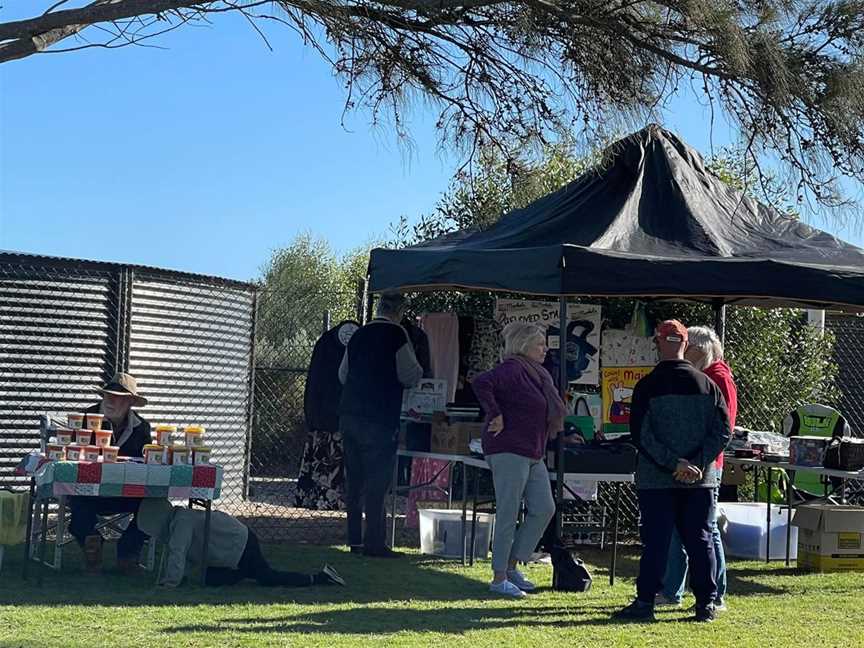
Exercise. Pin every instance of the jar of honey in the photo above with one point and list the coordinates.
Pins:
(180, 456)
(165, 434)
(194, 435)
(153, 453)
(200, 456)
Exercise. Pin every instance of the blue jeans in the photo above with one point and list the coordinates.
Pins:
(691, 511)
(676, 567)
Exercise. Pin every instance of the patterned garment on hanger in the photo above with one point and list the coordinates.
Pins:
(320, 485)
(485, 347)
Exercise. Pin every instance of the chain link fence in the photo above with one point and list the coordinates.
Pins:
(288, 325)
(848, 332)
(234, 357)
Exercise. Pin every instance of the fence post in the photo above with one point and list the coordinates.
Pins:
(325, 322)
(720, 320)
(250, 406)
(370, 305)
(362, 293)
(125, 281)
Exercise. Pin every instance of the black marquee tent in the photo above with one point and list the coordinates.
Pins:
(651, 222)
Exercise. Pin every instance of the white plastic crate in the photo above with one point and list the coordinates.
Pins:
(742, 528)
(441, 533)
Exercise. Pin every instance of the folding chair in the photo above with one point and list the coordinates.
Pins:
(818, 420)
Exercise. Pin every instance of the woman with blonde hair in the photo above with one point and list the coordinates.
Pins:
(523, 409)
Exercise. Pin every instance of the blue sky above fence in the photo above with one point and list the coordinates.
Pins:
(207, 155)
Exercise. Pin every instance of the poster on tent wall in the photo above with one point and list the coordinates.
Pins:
(582, 334)
(617, 393)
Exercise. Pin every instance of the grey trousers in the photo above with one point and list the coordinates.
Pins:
(517, 478)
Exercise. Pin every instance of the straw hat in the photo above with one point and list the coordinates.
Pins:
(123, 384)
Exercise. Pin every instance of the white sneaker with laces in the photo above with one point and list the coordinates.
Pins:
(518, 579)
(506, 588)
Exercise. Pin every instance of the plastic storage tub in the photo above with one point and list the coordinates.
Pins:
(742, 527)
(441, 532)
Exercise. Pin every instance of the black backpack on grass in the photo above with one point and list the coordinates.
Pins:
(568, 574)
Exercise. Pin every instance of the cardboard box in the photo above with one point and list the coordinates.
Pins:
(732, 475)
(453, 438)
(830, 538)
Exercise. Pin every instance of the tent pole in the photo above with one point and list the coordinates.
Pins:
(562, 347)
(720, 320)
(559, 441)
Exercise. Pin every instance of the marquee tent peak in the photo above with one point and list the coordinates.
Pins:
(649, 221)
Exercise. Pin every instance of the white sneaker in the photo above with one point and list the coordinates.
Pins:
(518, 579)
(506, 588)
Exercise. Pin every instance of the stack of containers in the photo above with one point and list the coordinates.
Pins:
(80, 442)
(165, 452)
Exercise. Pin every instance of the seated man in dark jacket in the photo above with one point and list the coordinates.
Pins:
(130, 433)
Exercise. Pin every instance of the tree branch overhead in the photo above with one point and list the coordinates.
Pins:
(788, 73)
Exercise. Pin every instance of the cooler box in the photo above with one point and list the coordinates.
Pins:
(441, 533)
(742, 528)
(831, 538)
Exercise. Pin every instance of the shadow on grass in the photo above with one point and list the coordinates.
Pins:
(369, 581)
(414, 577)
(377, 620)
(739, 581)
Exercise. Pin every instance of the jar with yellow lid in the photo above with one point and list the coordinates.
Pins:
(153, 453)
(194, 435)
(165, 434)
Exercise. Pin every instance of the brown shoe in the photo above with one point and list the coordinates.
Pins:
(93, 553)
(128, 566)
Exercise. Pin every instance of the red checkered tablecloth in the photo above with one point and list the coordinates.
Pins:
(127, 479)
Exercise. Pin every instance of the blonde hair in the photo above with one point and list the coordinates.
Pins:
(518, 335)
(705, 340)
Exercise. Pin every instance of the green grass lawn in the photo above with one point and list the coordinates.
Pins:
(415, 601)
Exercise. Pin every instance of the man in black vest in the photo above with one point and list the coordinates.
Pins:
(379, 363)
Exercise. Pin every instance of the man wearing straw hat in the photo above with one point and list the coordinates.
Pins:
(130, 433)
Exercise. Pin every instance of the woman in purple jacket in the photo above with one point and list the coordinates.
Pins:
(523, 410)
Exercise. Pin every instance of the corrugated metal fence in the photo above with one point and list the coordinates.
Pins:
(67, 325)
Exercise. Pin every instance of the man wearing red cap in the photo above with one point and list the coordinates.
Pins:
(679, 423)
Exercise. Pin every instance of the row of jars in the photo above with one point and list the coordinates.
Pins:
(165, 452)
(80, 452)
(176, 455)
(85, 440)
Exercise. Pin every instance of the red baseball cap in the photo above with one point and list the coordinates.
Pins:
(672, 331)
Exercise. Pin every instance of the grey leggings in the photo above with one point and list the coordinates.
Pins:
(517, 478)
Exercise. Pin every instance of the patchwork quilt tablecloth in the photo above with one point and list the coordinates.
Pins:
(124, 479)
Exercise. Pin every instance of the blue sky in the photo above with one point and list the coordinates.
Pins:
(207, 155)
